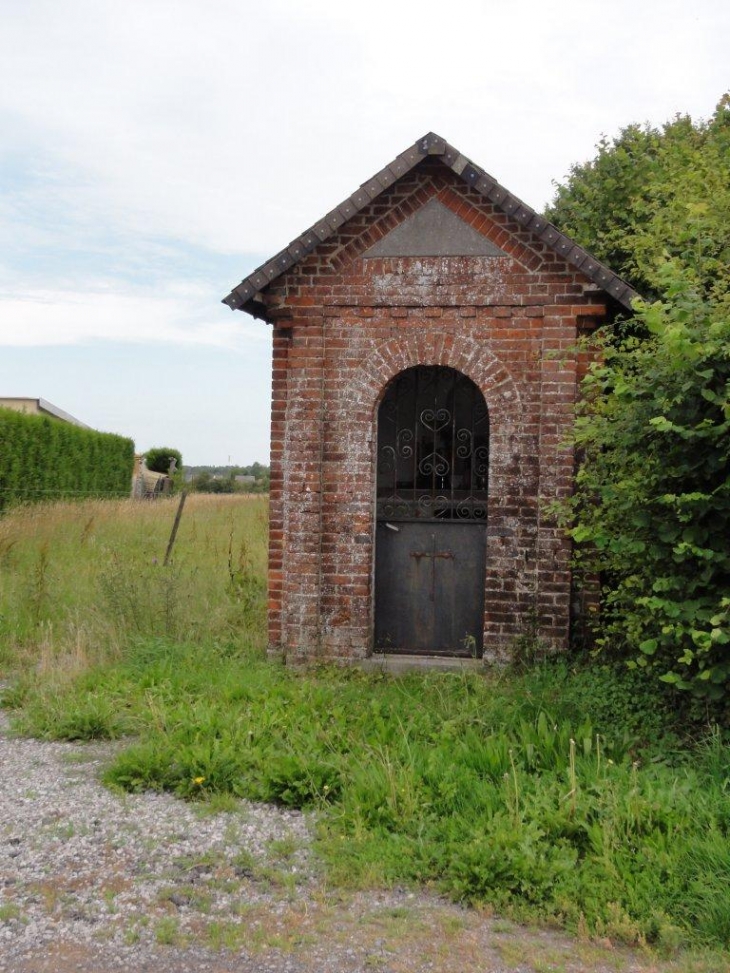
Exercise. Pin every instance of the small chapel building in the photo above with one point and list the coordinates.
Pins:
(425, 374)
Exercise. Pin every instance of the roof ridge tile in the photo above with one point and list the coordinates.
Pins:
(243, 296)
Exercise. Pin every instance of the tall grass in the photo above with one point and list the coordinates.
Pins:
(494, 789)
(565, 793)
(80, 581)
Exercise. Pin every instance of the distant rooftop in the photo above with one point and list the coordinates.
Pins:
(39, 407)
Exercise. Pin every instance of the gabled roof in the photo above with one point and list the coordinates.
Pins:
(244, 296)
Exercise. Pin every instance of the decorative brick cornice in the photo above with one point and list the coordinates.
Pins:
(246, 296)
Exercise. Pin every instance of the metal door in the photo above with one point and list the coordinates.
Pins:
(433, 460)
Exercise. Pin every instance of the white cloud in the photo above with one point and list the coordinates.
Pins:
(183, 314)
(150, 149)
(236, 124)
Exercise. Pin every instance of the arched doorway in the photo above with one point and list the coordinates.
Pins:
(432, 489)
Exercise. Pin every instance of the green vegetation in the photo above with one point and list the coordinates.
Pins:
(653, 195)
(44, 458)
(653, 495)
(564, 793)
(79, 581)
(158, 459)
(222, 479)
(652, 505)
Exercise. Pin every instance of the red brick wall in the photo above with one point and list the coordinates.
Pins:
(347, 325)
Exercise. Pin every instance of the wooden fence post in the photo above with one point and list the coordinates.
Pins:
(175, 526)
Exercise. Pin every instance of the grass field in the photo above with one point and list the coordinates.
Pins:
(80, 581)
(564, 794)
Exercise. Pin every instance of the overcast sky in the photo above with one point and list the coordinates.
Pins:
(153, 152)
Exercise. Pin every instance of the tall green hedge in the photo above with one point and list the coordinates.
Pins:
(46, 459)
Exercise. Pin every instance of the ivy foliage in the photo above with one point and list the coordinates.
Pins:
(656, 194)
(652, 504)
(45, 459)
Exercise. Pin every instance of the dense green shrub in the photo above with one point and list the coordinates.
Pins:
(159, 457)
(44, 459)
(653, 504)
(655, 193)
(652, 499)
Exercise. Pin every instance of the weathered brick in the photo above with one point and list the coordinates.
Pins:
(355, 323)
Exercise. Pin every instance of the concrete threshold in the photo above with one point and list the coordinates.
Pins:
(382, 662)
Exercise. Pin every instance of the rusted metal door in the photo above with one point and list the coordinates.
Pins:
(430, 588)
(433, 458)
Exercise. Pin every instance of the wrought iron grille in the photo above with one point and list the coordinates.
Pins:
(433, 447)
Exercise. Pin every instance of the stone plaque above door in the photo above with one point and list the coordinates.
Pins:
(434, 231)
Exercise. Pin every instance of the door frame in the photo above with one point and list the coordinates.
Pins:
(379, 519)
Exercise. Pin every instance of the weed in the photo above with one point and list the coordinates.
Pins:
(219, 804)
(274, 878)
(452, 925)
(245, 584)
(528, 649)
(167, 932)
(224, 935)
(244, 864)
(79, 757)
(503, 926)
(397, 912)
(283, 849)
(89, 716)
(109, 896)
(199, 864)
(63, 831)
(8, 540)
(15, 696)
(141, 597)
(186, 895)
(39, 591)
(87, 534)
(9, 911)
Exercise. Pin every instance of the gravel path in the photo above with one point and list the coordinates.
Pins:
(95, 882)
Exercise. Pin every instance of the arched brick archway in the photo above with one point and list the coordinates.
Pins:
(344, 621)
(432, 475)
(469, 358)
(461, 353)
(464, 355)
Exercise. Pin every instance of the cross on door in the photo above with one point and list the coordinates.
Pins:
(433, 554)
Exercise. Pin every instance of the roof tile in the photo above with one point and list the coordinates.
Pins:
(243, 296)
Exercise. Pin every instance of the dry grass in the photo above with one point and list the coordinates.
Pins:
(79, 580)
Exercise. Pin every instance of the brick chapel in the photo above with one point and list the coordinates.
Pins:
(425, 374)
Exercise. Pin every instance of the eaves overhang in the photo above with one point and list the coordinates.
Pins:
(247, 296)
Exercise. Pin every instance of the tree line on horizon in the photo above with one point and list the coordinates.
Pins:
(222, 479)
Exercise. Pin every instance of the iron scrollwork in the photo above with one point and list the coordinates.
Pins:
(433, 447)
(404, 440)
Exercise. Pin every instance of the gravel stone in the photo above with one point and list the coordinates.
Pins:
(93, 881)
